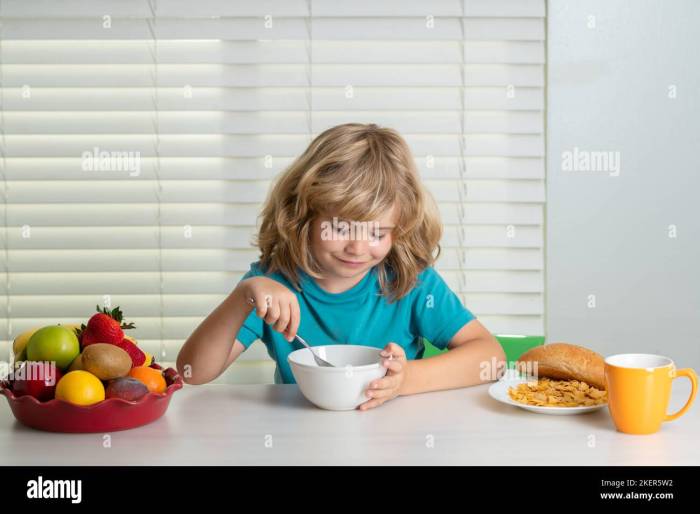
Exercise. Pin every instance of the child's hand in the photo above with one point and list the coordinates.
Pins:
(387, 388)
(274, 303)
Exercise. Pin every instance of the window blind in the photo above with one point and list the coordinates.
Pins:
(138, 140)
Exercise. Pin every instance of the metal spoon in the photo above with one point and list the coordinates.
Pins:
(318, 359)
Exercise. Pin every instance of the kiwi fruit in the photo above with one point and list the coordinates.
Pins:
(105, 361)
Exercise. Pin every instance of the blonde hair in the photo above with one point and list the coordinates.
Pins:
(358, 171)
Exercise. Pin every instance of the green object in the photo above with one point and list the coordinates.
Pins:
(53, 343)
(513, 345)
(431, 350)
(516, 345)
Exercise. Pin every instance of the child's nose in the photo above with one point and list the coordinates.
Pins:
(356, 247)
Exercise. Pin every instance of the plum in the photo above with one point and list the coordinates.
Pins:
(126, 388)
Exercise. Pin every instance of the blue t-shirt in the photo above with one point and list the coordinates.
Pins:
(362, 316)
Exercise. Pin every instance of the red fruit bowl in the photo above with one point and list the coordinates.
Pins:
(106, 416)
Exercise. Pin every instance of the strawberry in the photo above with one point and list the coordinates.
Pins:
(138, 358)
(104, 327)
(87, 338)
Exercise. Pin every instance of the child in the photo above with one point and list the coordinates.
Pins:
(347, 241)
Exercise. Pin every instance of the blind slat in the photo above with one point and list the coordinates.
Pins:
(273, 75)
(380, 29)
(213, 259)
(118, 237)
(270, 123)
(222, 145)
(230, 191)
(320, 8)
(272, 52)
(62, 309)
(179, 328)
(197, 214)
(256, 168)
(275, 99)
(222, 282)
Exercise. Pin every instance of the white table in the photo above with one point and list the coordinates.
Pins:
(274, 424)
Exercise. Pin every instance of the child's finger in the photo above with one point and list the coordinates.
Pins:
(282, 322)
(261, 305)
(393, 365)
(380, 393)
(294, 321)
(370, 404)
(273, 312)
(394, 351)
(383, 383)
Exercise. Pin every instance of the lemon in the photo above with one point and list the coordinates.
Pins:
(80, 388)
(19, 346)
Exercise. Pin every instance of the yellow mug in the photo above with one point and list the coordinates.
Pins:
(639, 389)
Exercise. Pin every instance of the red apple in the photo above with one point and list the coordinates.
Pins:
(37, 379)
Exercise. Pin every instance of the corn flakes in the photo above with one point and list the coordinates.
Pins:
(547, 392)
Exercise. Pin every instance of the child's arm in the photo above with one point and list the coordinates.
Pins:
(209, 349)
(470, 350)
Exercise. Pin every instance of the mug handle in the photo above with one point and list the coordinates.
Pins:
(685, 372)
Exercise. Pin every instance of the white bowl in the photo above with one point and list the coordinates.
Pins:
(343, 386)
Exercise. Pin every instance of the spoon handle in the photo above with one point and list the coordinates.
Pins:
(298, 337)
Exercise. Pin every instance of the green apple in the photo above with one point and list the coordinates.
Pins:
(53, 343)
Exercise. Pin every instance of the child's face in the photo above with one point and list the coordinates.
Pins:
(345, 249)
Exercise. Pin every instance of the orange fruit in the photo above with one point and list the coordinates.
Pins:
(80, 388)
(152, 378)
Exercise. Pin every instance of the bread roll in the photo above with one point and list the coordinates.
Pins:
(565, 361)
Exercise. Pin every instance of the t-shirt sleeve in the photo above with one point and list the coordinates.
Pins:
(252, 327)
(437, 312)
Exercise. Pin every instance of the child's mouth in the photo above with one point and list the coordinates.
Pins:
(352, 264)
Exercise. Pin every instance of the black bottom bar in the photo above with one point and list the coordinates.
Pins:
(499, 487)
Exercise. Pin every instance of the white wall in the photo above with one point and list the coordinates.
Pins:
(608, 236)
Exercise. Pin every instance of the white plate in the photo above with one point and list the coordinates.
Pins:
(499, 391)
